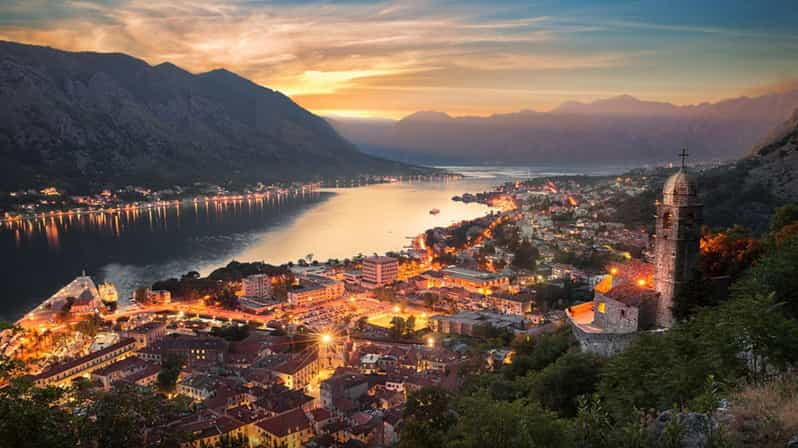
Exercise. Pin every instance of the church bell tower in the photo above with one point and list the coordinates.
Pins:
(677, 249)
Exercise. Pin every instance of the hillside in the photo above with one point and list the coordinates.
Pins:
(744, 192)
(85, 119)
(777, 159)
(619, 129)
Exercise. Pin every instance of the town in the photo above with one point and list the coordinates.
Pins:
(325, 354)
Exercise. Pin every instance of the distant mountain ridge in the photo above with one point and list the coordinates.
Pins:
(616, 129)
(77, 119)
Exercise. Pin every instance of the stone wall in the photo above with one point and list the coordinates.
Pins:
(603, 344)
(615, 316)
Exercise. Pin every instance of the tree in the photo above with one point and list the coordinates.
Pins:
(362, 323)
(429, 299)
(397, 327)
(30, 419)
(410, 325)
(90, 326)
(776, 273)
(427, 418)
(170, 371)
(525, 256)
(120, 417)
(484, 422)
(729, 252)
(783, 216)
(559, 385)
(233, 332)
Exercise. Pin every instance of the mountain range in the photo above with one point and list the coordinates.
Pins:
(85, 119)
(619, 129)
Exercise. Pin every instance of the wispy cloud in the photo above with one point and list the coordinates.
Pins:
(368, 55)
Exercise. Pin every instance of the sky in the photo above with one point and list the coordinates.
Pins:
(392, 58)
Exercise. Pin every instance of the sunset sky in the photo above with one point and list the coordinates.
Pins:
(389, 59)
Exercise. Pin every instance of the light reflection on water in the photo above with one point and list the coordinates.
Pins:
(133, 248)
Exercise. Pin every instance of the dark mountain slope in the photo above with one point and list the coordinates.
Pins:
(744, 192)
(776, 161)
(83, 119)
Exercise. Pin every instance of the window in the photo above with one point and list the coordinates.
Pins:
(602, 307)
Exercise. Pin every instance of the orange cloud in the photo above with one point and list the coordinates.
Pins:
(394, 56)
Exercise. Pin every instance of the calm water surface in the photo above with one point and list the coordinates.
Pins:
(136, 249)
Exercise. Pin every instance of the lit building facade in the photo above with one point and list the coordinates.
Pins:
(379, 271)
(257, 286)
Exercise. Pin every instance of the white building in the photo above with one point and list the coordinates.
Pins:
(379, 271)
(257, 286)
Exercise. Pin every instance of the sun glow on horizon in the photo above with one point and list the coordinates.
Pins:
(388, 59)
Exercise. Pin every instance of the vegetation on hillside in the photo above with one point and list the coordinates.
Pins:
(735, 349)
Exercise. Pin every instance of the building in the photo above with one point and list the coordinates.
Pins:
(149, 333)
(350, 386)
(291, 429)
(157, 296)
(197, 387)
(298, 371)
(257, 286)
(638, 296)
(677, 251)
(474, 281)
(314, 289)
(197, 351)
(207, 429)
(466, 322)
(257, 306)
(379, 271)
(62, 374)
(515, 304)
(119, 370)
(353, 277)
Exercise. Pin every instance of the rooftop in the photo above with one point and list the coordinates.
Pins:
(287, 423)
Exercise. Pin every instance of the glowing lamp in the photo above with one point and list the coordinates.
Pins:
(614, 271)
(326, 338)
(396, 309)
(431, 342)
(641, 282)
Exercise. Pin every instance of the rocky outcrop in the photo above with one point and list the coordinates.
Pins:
(776, 161)
(692, 429)
(76, 118)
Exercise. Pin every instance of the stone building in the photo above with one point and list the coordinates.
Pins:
(638, 296)
(677, 250)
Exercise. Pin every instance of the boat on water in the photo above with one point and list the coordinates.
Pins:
(434, 211)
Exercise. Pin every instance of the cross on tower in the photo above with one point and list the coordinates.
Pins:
(683, 155)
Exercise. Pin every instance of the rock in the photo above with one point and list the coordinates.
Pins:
(695, 428)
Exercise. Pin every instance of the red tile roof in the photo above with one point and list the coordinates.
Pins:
(630, 294)
(285, 424)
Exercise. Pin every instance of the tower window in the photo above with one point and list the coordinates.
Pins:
(602, 307)
(667, 219)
